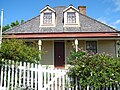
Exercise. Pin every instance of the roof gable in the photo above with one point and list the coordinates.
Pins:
(47, 7)
(71, 7)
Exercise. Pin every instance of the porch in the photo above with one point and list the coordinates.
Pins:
(58, 50)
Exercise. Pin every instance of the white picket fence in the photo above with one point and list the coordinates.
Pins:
(29, 76)
(33, 76)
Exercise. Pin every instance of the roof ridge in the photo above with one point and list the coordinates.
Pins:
(59, 6)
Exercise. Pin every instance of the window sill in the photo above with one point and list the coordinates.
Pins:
(71, 25)
(47, 25)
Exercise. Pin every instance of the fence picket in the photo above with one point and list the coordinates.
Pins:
(12, 76)
(5, 72)
(1, 79)
(48, 75)
(52, 82)
(32, 78)
(28, 74)
(44, 76)
(20, 73)
(39, 78)
(24, 73)
(35, 77)
(16, 74)
(59, 83)
(63, 82)
(8, 81)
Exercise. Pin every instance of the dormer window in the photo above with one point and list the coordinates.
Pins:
(71, 17)
(47, 18)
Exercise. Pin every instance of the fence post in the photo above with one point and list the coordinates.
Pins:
(39, 77)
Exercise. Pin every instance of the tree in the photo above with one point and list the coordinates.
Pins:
(6, 27)
(95, 70)
(12, 24)
(22, 21)
(17, 50)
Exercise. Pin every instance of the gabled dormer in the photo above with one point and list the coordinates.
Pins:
(71, 17)
(47, 17)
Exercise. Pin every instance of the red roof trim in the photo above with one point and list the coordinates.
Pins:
(62, 35)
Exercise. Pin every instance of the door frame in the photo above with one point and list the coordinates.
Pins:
(64, 52)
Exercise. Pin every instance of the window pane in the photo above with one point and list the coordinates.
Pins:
(47, 18)
(71, 17)
(91, 46)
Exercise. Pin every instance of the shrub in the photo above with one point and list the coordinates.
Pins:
(95, 70)
(16, 49)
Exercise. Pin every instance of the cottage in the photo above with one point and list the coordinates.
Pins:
(56, 29)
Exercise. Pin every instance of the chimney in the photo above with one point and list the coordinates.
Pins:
(82, 9)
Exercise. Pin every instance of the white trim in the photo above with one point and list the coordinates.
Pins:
(53, 54)
(76, 42)
(40, 47)
(69, 8)
(116, 49)
(47, 7)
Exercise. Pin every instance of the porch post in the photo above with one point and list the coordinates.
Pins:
(40, 46)
(76, 45)
(117, 48)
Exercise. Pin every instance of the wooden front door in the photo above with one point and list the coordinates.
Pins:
(59, 54)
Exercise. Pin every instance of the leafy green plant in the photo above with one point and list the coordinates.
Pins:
(18, 50)
(95, 70)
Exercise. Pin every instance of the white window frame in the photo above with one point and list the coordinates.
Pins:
(47, 19)
(71, 19)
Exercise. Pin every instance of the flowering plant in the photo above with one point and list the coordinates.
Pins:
(95, 70)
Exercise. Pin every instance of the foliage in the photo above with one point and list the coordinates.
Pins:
(6, 27)
(14, 49)
(12, 24)
(94, 69)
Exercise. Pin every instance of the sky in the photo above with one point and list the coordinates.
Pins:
(106, 11)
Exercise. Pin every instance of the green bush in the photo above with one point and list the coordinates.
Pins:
(16, 49)
(95, 70)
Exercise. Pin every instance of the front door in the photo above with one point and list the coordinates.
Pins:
(59, 54)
